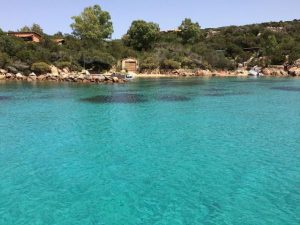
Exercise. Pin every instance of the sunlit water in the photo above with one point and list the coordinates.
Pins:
(163, 152)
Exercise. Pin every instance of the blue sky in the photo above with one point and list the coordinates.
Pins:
(55, 15)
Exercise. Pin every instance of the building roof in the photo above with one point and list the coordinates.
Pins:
(171, 31)
(28, 33)
(57, 40)
(129, 59)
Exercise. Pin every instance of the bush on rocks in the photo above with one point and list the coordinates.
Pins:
(64, 64)
(170, 64)
(4, 59)
(40, 68)
(149, 63)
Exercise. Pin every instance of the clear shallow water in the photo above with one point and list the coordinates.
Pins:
(190, 151)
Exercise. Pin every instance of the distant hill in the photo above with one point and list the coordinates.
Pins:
(215, 48)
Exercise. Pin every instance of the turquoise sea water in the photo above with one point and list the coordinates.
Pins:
(161, 152)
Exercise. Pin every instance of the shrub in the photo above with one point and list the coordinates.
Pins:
(170, 64)
(4, 59)
(219, 61)
(97, 61)
(188, 63)
(63, 64)
(149, 63)
(40, 68)
(70, 65)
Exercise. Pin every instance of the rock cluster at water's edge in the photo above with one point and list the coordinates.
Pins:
(64, 77)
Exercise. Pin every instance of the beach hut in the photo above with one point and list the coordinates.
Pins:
(27, 36)
(130, 65)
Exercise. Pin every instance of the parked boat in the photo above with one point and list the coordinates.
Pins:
(128, 76)
(255, 72)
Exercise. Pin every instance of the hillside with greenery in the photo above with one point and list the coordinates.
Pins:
(189, 47)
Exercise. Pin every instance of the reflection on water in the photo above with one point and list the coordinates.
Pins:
(65, 151)
(116, 98)
(221, 94)
(286, 88)
(173, 98)
(5, 98)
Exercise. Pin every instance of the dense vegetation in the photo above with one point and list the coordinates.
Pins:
(188, 47)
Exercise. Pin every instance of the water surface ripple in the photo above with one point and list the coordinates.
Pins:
(184, 151)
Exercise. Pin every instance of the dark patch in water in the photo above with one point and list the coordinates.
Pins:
(116, 98)
(226, 94)
(215, 89)
(173, 98)
(54, 96)
(284, 88)
(180, 83)
(254, 80)
(5, 98)
(126, 91)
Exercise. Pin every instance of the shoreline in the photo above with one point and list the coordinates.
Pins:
(71, 78)
(119, 78)
(98, 79)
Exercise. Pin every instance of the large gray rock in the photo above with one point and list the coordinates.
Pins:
(81, 77)
(276, 71)
(54, 70)
(294, 71)
(115, 79)
(101, 78)
(297, 63)
(203, 73)
(19, 76)
(9, 75)
(12, 69)
(85, 72)
(3, 71)
(41, 77)
(31, 77)
(66, 70)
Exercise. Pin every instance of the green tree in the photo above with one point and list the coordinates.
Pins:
(25, 29)
(34, 28)
(37, 28)
(142, 35)
(189, 32)
(93, 24)
(272, 45)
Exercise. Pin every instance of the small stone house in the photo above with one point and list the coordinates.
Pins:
(59, 41)
(130, 65)
(27, 36)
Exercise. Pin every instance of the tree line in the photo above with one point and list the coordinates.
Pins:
(188, 47)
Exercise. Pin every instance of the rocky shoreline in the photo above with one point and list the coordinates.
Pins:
(112, 78)
(68, 77)
(271, 71)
